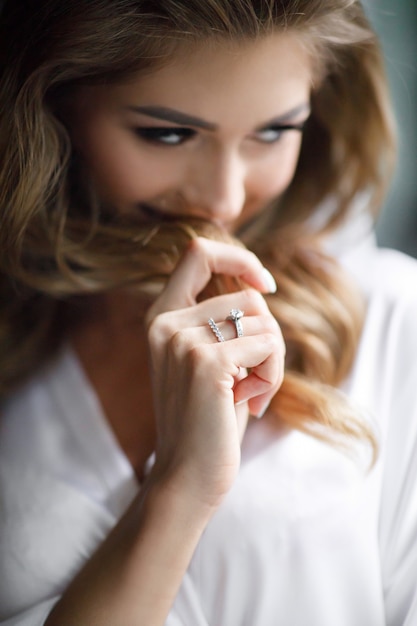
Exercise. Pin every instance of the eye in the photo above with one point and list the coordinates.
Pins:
(166, 136)
(273, 134)
(269, 135)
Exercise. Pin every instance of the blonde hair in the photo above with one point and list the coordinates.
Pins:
(58, 245)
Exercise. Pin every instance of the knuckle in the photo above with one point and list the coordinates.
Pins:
(197, 247)
(271, 339)
(159, 328)
(254, 300)
(199, 356)
(275, 342)
(179, 342)
(271, 325)
(152, 331)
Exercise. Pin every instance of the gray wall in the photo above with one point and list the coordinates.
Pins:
(396, 23)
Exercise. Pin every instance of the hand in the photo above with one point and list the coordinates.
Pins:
(202, 390)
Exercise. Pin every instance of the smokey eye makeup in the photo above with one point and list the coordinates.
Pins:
(164, 135)
(186, 126)
(274, 133)
(177, 135)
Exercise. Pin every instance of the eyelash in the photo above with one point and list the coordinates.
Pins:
(158, 135)
(280, 129)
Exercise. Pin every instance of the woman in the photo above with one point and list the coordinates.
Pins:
(141, 144)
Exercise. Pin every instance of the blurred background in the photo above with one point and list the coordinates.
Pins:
(396, 23)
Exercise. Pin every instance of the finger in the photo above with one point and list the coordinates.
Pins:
(249, 301)
(174, 327)
(262, 354)
(251, 325)
(202, 259)
(263, 379)
(258, 405)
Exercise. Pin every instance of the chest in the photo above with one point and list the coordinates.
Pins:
(297, 537)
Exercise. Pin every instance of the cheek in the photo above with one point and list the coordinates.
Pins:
(122, 174)
(275, 173)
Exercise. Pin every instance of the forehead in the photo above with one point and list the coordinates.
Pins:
(219, 81)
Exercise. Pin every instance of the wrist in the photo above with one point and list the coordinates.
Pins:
(179, 496)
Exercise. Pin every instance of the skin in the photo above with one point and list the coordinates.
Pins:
(226, 174)
(195, 394)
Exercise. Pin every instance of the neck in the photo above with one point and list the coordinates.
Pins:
(112, 349)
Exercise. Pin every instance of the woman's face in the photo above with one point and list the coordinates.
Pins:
(214, 134)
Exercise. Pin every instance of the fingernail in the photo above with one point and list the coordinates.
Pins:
(262, 412)
(269, 280)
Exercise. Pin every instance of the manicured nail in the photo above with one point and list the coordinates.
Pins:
(262, 412)
(269, 280)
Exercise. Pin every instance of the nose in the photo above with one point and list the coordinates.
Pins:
(216, 188)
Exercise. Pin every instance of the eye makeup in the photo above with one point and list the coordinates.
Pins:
(164, 135)
(177, 135)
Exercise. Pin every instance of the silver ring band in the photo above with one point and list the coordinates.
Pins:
(235, 316)
(216, 330)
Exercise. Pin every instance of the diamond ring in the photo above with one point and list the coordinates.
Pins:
(235, 316)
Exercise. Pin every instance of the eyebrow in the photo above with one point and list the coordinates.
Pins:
(172, 115)
(178, 117)
(286, 117)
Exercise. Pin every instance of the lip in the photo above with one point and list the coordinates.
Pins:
(155, 213)
(237, 227)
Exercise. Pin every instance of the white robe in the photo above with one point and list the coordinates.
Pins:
(305, 536)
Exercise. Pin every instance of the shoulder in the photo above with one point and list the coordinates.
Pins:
(31, 419)
(51, 502)
(382, 274)
(385, 369)
(375, 269)
(388, 279)
(384, 376)
(49, 421)
(392, 273)
(47, 527)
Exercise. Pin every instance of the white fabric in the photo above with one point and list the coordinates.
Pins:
(305, 536)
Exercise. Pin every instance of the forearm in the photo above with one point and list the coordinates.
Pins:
(134, 576)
